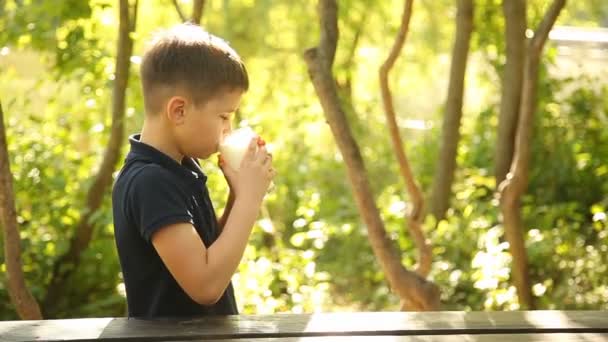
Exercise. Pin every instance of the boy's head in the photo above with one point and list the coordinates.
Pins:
(192, 80)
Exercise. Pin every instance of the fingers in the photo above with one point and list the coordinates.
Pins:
(257, 150)
(257, 153)
(267, 161)
(251, 149)
(262, 155)
(272, 173)
(268, 158)
(224, 166)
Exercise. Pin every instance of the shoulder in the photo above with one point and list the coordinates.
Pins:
(142, 180)
(151, 174)
(153, 178)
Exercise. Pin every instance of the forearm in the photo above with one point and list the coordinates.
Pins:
(227, 210)
(225, 254)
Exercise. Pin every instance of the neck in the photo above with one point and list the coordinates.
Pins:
(153, 133)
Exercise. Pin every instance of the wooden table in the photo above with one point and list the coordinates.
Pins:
(328, 327)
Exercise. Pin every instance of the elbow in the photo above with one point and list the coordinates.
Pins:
(208, 295)
(207, 299)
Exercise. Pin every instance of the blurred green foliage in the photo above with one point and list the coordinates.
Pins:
(309, 251)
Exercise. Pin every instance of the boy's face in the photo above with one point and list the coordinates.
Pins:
(204, 126)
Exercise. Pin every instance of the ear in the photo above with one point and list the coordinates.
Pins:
(176, 109)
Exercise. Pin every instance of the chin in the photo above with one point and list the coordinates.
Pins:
(199, 156)
(204, 155)
(205, 152)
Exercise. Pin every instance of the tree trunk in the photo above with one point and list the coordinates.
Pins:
(446, 164)
(197, 11)
(514, 186)
(415, 217)
(179, 11)
(345, 87)
(414, 291)
(512, 78)
(23, 301)
(65, 265)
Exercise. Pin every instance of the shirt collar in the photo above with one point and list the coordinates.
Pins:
(189, 168)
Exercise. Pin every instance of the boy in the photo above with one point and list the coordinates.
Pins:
(177, 258)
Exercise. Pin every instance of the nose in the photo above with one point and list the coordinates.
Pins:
(227, 129)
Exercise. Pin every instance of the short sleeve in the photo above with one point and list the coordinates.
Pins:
(155, 200)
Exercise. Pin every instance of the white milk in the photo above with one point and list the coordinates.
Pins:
(234, 146)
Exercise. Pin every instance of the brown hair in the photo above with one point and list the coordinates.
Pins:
(188, 58)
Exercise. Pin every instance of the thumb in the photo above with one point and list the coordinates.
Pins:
(224, 166)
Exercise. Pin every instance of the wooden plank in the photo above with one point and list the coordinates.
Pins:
(291, 325)
(558, 337)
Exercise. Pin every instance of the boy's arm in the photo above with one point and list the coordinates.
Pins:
(204, 273)
(227, 210)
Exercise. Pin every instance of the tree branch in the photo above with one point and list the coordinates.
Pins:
(23, 301)
(197, 11)
(353, 48)
(65, 265)
(450, 133)
(514, 186)
(415, 217)
(512, 80)
(409, 286)
(328, 14)
(399, 41)
(542, 31)
(345, 87)
(179, 11)
(132, 24)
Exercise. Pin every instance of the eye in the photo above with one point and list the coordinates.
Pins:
(225, 117)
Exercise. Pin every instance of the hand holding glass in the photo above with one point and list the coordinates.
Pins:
(234, 146)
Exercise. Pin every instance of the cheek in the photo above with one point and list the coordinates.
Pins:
(209, 136)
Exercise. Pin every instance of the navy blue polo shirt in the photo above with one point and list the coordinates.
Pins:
(152, 191)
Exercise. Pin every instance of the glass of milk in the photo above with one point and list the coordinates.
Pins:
(234, 146)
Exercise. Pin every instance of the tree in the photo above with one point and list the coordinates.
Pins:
(68, 262)
(416, 216)
(197, 11)
(57, 79)
(414, 291)
(26, 305)
(512, 78)
(446, 163)
(516, 182)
